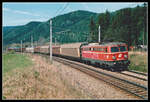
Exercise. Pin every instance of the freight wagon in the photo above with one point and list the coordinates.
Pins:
(29, 49)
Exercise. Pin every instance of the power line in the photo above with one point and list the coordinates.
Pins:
(57, 11)
(64, 8)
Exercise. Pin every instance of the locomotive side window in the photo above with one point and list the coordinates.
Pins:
(90, 49)
(99, 49)
(114, 49)
(85, 49)
(123, 48)
(106, 50)
(95, 49)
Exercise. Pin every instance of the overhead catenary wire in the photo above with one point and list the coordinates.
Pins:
(60, 11)
(57, 11)
(63, 8)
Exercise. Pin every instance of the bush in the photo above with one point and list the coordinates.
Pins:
(12, 52)
(3, 97)
(138, 62)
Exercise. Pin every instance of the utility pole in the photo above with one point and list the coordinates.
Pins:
(50, 41)
(99, 34)
(143, 38)
(55, 41)
(36, 43)
(24, 43)
(21, 46)
(31, 41)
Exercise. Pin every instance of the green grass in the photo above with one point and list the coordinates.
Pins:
(3, 97)
(139, 62)
(12, 61)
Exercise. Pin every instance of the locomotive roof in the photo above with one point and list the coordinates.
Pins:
(106, 44)
(113, 43)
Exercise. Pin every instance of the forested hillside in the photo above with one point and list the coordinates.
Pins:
(71, 27)
(128, 25)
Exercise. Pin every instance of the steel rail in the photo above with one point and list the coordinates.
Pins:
(140, 73)
(133, 76)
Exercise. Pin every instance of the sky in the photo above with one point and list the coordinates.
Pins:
(22, 13)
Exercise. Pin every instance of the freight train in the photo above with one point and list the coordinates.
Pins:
(110, 55)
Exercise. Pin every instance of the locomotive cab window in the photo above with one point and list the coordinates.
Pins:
(114, 49)
(100, 49)
(85, 49)
(94, 49)
(90, 49)
(106, 50)
(123, 48)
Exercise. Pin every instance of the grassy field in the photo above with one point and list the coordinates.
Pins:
(39, 81)
(12, 61)
(139, 61)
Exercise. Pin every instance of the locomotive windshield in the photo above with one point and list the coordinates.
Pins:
(114, 49)
(117, 49)
(123, 48)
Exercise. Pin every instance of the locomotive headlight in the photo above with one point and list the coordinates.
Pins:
(125, 56)
(107, 56)
(113, 57)
(120, 55)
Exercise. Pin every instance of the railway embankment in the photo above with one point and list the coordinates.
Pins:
(57, 81)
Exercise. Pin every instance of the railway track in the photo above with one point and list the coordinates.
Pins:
(131, 87)
(133, 76)
(129, 73)
(128, 86)
(140, 73)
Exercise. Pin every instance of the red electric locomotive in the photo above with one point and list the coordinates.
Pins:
(110, 55)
